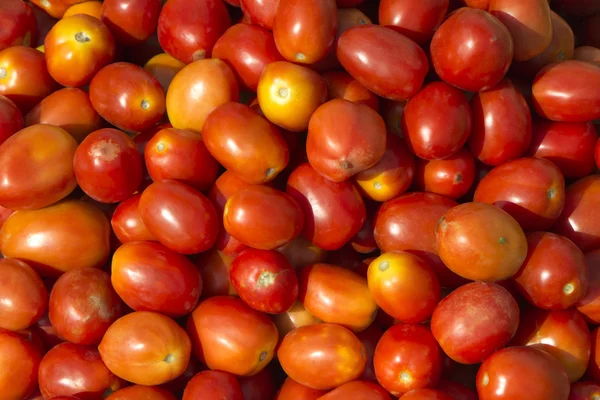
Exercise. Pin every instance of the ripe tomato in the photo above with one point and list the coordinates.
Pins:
(292, 390)
(587, 53)
(217, 384)
(19, 24)
(83, 305)
(357, 390)
(384, 61)
(416, 20)
(141, 392)
(11, 118)
(20, 358)
(588, 305)
(127, 222)
(54, 8)
(128, 25)
(92, 8)
(301, 252)
(77, 48)
(451, 177)
(214, 267)
(146, 348)
(584, 390)
(163, 67)
(245, 342)
(322, 356)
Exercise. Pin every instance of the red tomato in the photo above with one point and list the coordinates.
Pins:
(214, 384)
(437, 121)
(585, 390)
(260, 386)
(83, 304)
(260, 12)
(501, 124)
(471, 50)
(569, 145)
(19, 24)
(522, 373)
(475, 320)
(568, 91)
(179, 216)
(70, 369)
(342, 85)
(127, 222)
(20, 359)
(357, 390)
(416, 20)
(293, 318)
(128, 25)
(314, 25)
(589, 305)
(141, 392)
(292, 390)
(407, 357)
(333, 211)
(245, 342)
(344, 138)
(451, 177)
(456, 390)
(150, 277)
(426, 394)
(384, 61)
(188, 29)
(11, 119)
(301, 252)
(554, 275)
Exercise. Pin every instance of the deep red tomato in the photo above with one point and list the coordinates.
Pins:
(451, 177)
(83, 304)
(19, 25)
(457, 390)
(260, 12)
(416, 20)
(128, 25)
(20, 358)
(127, 222)
(11, 119)
(589, 305)
(292, 390)
(179, 216)
(188, 29)
(214, 384)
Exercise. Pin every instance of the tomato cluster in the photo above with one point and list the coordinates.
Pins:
(299, 199)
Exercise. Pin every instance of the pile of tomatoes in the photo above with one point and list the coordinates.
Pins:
(299, 199)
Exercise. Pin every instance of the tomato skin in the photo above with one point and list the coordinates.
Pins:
(488, 315)
(83, 305)
(471, 50)
(20, 358)
(216, 384)
(60, 232)
(479, 241)
(578, 219)
(179, 216)
(369, 338)
(150, 277)
(68, 369)
(333, 211)
(568, 91)
(587, 53)
(584, 390)
(245, 343)
(501, 124)
(11, 119)
(341, 85)
(456, 390)
(137, 391)
(382, 60)
(569, 145)
(554, 275)
(188, 30)
(301, 252)
(77, 48)
(426, 394)
(245, 143)
(19, 24)
(589, 304)
(247, 49)
(451, 177)
(214, 267)
(335, 355)
(92, 8)
(315, 24)
(163, 67)
(129, 26)
(524, 373)
(358, 390)
(260, 12)
(292, 390)
(127, 222)
(407, 357)
(417, 21)
(340, 148)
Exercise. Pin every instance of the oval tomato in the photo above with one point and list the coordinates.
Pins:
(129, 26)
(19, 24)
(20, 358)
(589, 305)
(416, 20)
(341, 85)
(357, 390)
(164, 67)
(451, 177)
(136, 392)
(127, 222)
(11, 118)
(216, 384)
(292, 390)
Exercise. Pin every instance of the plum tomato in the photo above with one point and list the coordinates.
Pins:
(214, 268)
(584, 390)
(452, 177)
(293, 318)
(19, 24)
(20, 359)
(127, 24)
(92, 8)
(164, 67)
(11, 118)
(587, 53)
(357, 390)
(292, 390)
(417, 20)
(589, 304)
(214, 384)
(127, 223)
(260, 12)
(427, 394)
(341, 85)
(141, 392)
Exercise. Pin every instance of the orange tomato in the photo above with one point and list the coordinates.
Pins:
(164, 67)
(91, 8)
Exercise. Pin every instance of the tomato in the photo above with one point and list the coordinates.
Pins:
(46, 332)
(188, 29)
(369, 338)
(301, 252)
(50, 239)
(247, 49)
(163, 67)
(333, 211)
(584, 390)
(77, 48)
(24, 77)
(181, 155)
(337, 295)
(19, 24)
(92, 8)
(501, 124)
(588, 304)
(292, 390)
(334, 354)
(522, 373)
(70, 369)
(479, 241)
(11, 118)
(245, 143)
(554, 275)
(342, 85)
(197, 89)
(146, 348)
(568, 91)
(25, 296)
(569, 145)
(456, 390)
(475, 320)
(385, 62)
(54, 8)
(437, 121)
(358, 390)
(137, 392)
(288, 94)
(587, 53)
(83, 304)
(451, 177)
(314, 25)
(265, 280)
(127, 222)
(416, 20)
(563, 334)
(150, 277)
(260, 386)
(263, 217)
(20, 358)
(407, 357)
(129, 26)
(245, 342)
(179, 216)
(215, 384)
(214, 267)
(471, 50)
(578, 219)
(344, 138)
